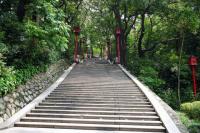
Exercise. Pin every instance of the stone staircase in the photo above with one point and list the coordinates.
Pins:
(95, 96)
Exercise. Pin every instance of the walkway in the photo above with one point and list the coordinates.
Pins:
(95, 96)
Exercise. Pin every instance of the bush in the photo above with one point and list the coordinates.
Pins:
(170, 97)
(7, 78)
(193, 126)
(150, 77)
(192, 109)
(10, 79)
(22, 75)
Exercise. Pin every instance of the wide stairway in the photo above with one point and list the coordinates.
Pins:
(95, 96)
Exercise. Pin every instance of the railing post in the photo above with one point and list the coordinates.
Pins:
(118, 33)
(76, 32)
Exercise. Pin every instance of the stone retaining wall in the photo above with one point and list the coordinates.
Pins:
(24, 94)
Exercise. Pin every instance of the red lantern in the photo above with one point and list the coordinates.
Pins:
(193, 61)
(118, 31)
(193, 64)
(77, 30)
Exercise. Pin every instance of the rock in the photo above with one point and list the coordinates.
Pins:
(29, 92)
(34, 94)
(14, 95)
(26, 99)
(22, 93)
(27, 87)
(5, 116)
(8, 112)
(2, 106)
(13, 111)
(9, 106)
(30, 97)
(26, 93)
(17, 103)
(6, 98)
(21, 104)
(17, 95)
(11, 100)
(1, 120)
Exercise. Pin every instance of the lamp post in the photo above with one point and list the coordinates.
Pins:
(118, 33)
(76, 32)
(193, 64)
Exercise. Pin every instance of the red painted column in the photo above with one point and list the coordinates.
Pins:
(193, 64)
(194, 81)
(76, 32)
(118, 33)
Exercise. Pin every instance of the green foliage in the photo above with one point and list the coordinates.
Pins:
(150, 77)
(22, 75)
(145, 70)
(192, 109)
(41, 38)
(7, 78)
(192, 125)
(10, 78)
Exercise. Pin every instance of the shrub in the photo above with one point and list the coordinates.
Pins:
(193, 126)
(192, 109)
(22, 75)
(10, 79)
(7, 78)
(170, 97)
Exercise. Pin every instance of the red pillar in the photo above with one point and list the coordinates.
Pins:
(76, 32)
(193, 64)
(194, 81)
(118, 33)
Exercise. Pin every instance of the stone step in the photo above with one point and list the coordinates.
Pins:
(99, 86)
(96, 92)
(136, 104)
(91, 98)
(92, 121)
(99, 90)
(135, 111)
(131, 98)
(92, 116)
(91, 104)
(91, 126)
(102, 88)
(96, 95)
(110, 83)
(91, 108)
(128, 102)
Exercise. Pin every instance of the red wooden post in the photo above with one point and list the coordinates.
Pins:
(193, 64)
(76, 32)
(118, 33)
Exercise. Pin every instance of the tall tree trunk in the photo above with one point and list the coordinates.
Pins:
(122, 54)
(21, 10)
(92, 52)
(140, 51)
(179, 68)
(109, 49)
